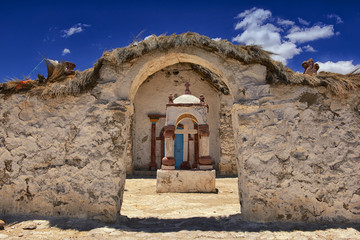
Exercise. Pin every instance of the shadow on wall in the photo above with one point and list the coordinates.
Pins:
(152, 225)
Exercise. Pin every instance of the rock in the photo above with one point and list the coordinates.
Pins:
(300, 154)
(185, 181)
(29, 226)
(42, 224)
(2, 224)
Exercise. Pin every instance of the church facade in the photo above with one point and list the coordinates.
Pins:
(66, 147)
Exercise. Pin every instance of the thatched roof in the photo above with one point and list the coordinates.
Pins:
(276, 72)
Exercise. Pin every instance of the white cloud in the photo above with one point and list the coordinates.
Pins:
(283, 37)
(284, 51)
(303, 21)
(216, 39)
(267, 35)
(65, 51)
(285, 22)
(252, 17)
(309, 48)
(302, 35)
(343, 67)
(77, 28)
(336, 17)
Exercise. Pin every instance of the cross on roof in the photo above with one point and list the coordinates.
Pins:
(187, 90)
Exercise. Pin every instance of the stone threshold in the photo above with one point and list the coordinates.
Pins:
(185, 181)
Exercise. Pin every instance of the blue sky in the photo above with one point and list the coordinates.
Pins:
(79, 31)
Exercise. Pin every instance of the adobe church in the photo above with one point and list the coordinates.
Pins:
(182, 102)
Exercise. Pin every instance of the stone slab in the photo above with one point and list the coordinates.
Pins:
(206, 167)
(164, 167)
(185, 181)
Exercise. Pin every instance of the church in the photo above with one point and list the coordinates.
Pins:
(182, 102)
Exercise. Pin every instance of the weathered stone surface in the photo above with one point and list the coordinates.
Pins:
(62, 159)
(298, 160)
(227, 164)
(178, 181)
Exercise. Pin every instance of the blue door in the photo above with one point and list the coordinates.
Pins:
(178, 149)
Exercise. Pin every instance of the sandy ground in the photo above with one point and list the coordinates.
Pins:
(140, 200)
(148, 215)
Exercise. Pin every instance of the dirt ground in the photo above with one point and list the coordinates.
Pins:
(141, 200)
(149, 215)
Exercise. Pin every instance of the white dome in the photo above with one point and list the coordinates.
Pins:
(187, 98)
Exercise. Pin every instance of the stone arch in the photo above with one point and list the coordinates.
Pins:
(152, 65)
(204, 63)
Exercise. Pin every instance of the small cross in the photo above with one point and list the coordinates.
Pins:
(187, 90)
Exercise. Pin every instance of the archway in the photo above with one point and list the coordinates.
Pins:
(142, 70)
(150, 104)
(149, 96)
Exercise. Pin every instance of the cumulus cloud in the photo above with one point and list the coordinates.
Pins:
(216, 39)
(303, 21)
(258, 32)
(65, 51)
(77, 28)
(283, 37)
(309, 48)
(343, 67)
(302, 35)
(252, 18)
(336, 17)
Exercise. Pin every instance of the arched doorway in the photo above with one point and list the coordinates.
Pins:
(150, 102)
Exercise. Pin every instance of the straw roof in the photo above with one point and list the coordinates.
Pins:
(59, 84)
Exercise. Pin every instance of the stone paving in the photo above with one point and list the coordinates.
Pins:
(149, 215)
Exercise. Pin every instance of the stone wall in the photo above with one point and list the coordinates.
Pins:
(64, 156)
(296, 148)
(298, 153)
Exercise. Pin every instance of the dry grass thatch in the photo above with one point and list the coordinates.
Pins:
(276, 72)
(338, 84)
(59, 84)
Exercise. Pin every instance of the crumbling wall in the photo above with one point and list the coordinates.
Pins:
(298, 153)
(63, 156)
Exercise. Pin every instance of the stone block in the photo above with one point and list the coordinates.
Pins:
(185, 181)
(167, 167)
(206, 167)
